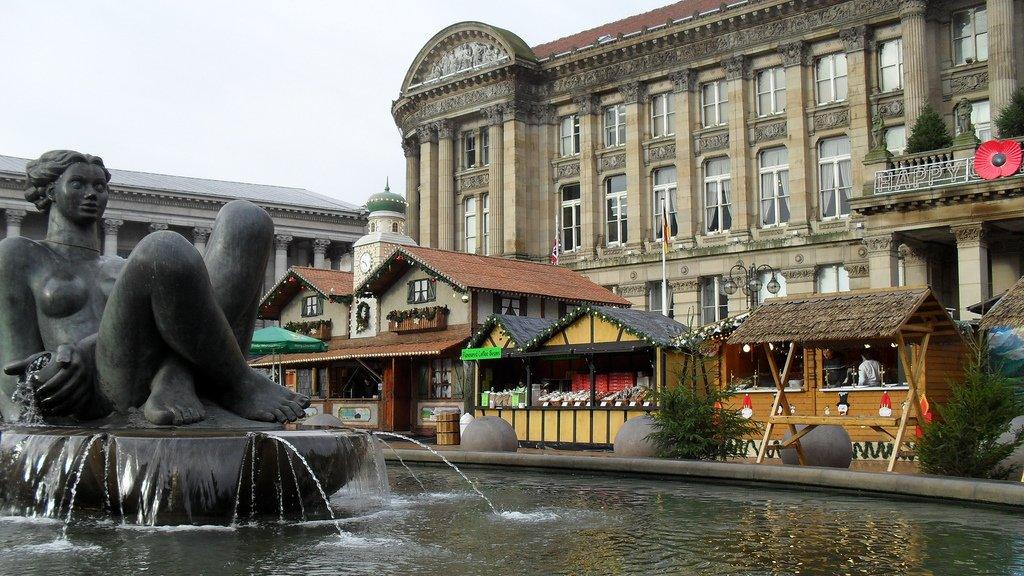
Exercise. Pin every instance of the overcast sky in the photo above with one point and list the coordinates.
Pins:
(290, 93)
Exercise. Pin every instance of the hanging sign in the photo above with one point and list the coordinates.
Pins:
(486, 353)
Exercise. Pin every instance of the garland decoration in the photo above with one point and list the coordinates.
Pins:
(423, 313)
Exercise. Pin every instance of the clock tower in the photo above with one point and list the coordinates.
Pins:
(386, 230)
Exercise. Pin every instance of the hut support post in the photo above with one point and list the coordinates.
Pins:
(780, 399)
(914, 370)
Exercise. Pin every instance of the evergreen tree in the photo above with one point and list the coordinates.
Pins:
(929, 133)
(696, 425)
(1011, 120)
(964, 439)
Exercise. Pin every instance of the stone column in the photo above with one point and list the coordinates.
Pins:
(591, 195)
(883, 260)
(495, 179)
(744, 207)
(412, 187)
(515, 180)
(916, 56)
(200, 236)
(320, 246)
(445, 186)
(1006, 260)
(915, 264)
(972, 266)
(855, 42)
(427, 137)
(14, 219)
(637, 209)
(110, 228)
(1002, 61)
(157, 226)
(688, 188)
(795, 57)
(281, 242)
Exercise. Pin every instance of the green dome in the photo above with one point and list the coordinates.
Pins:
(386, 201)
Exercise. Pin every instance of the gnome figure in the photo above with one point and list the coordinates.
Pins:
(748, 407)
(885, 407)
(843, 406)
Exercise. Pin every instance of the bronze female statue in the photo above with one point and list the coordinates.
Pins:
(157, 331)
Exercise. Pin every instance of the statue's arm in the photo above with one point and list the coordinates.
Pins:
(19, 330)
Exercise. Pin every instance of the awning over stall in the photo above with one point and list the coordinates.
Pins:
(383, 346)
(274, 340)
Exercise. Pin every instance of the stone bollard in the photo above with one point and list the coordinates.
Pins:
(632, 439)
(490, 434)
(828, 446)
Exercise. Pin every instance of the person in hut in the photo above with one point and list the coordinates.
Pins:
(836, 370)
(869, 373)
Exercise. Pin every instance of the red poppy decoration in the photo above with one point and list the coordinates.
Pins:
(997, 159)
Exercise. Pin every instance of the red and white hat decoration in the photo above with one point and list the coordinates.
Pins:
(748, 407)
(885, 407)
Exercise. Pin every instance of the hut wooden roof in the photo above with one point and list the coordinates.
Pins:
(856, 315)
(1009, 311)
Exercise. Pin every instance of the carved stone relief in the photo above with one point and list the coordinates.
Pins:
(567, 170)
(854, 39)
(709, 142)
(633, 290)
(795, 54)
(857, 269)
(611, 162)
(661, 152)
(892, 108)
(878, 244)
(830, 119)
(472, 181)
(766, 132)
(970, 82)
(468, 56)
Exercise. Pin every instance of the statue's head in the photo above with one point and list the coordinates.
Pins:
(75, 183)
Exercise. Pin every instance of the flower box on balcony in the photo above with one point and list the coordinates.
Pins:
(418, 319)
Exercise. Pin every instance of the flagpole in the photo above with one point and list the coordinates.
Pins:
(665, 230)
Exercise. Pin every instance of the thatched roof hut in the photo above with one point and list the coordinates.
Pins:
(840, 316)
(1009, 311)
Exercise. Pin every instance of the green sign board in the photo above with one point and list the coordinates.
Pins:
(486, 353)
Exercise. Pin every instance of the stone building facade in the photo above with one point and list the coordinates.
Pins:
(311, 229)
(774, 129)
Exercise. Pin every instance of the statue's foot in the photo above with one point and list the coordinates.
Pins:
(259, 398)
(172, 399)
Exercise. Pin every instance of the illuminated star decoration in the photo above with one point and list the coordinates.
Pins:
(997, 159)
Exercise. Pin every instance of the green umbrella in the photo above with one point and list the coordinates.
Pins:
(274, 340)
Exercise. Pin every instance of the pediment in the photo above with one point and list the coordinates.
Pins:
(464, 49)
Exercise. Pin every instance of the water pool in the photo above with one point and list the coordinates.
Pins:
(557, 524)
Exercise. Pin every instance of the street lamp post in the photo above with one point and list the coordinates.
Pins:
(748, 279)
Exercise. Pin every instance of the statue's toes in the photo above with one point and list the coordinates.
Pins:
(292, 410)
(279, 415)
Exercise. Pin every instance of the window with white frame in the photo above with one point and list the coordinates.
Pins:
(420, 291)
(832, 278)
(570, 218)
(834, 177)
(569, 135)
(470, 225)
(662, 115)
(830, 78)
(513, 305)
(896, 139)
(774, 170)
(714, 304)
(441, 378)
(312, 306)
(664, 196)
(771, 91)
(890, 65)
(615, 210)
(765, 293)
(615, 125)
(468, 149)
(485, 146)
(970, 35)
(654, 290)
(714, 102)
(485, 222)
(981, 118)
(717, 202)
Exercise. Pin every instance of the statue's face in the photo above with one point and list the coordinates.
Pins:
(81, 193)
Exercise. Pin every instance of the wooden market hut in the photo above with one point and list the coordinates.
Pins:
(908, 324)
(584, 375)
(1008, 311)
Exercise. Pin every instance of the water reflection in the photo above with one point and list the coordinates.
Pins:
(567, 524)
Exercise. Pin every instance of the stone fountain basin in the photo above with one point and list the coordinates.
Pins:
(176, 476)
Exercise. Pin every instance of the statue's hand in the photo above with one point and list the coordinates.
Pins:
(68, 387)
(19, 367)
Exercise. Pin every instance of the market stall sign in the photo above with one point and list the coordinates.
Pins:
(485, 353)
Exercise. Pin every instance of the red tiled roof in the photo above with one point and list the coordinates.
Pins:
(384, 345)
(625, 26)
(330, 282)
(513, 276)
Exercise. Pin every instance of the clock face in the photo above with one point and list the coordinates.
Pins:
(365, 262)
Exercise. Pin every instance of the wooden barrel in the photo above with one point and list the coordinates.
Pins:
(447, 428)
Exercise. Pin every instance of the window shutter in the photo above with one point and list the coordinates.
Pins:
(522, 305)
(496, 302)
(412, 293)
(431, 290)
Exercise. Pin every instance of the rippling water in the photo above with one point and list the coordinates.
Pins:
(552, 524)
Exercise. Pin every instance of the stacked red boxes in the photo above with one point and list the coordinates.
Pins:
(619, 381)
(580, 381)
(601, 384)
